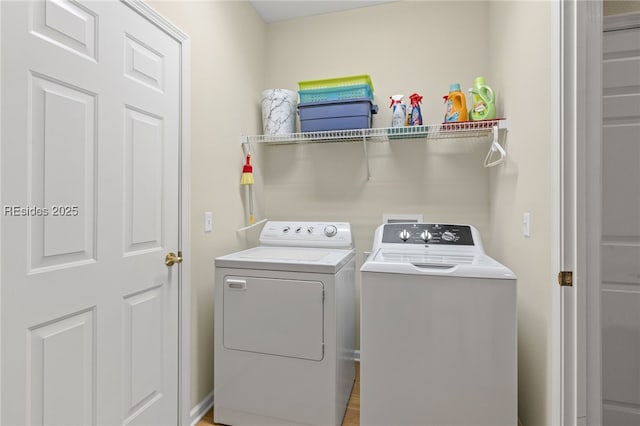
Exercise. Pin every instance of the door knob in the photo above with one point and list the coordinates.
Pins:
(173, 258)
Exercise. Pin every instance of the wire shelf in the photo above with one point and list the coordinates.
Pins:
(468, 129)
(432, 131)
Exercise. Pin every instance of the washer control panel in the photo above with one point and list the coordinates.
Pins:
(307, 234)
(427, 233)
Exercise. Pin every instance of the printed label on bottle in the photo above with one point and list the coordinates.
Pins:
(452, 117)
(480, 107)
(399, 115)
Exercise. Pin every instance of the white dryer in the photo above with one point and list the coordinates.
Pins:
(437, 330)
(285, 327)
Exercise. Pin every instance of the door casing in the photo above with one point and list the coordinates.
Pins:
(576, 353)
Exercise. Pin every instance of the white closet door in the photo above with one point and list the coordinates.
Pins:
(90, 152)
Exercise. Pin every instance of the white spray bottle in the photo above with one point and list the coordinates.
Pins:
(399, 111)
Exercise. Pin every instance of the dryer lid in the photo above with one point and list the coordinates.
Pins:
(296, 259)
(285, 254)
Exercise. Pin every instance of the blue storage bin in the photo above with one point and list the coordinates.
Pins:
(337, 115)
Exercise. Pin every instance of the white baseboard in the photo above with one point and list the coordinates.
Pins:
(201, 408)
(356, 355)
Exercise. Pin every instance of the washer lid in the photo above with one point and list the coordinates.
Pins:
(436, 263)
(295, 259)
(425, 257)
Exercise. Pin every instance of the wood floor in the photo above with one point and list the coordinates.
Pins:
(351, 417)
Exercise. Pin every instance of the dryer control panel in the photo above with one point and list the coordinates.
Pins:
(427, 233)
(307, 234)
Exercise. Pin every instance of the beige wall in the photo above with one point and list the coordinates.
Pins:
(521, 64)
(405, 47)
(442, 180)
(227, 56)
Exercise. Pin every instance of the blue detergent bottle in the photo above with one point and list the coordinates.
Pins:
(415, 119)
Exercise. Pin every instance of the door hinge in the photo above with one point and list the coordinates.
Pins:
(565, 278)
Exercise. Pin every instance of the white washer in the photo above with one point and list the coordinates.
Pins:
(437, 330)
(285, 327)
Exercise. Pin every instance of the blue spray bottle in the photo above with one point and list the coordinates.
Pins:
(416, 115)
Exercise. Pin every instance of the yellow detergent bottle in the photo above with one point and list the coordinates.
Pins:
(483, 105)
(456, 105)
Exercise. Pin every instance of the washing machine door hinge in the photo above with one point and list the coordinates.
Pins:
(565, 278)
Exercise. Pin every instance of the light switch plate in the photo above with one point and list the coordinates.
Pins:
(208, 221)
(526, 225)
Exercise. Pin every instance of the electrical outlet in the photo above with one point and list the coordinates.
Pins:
(208, 221)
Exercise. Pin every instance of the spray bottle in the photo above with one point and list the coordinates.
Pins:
(399, 111)
(483, 106)
(416, 115)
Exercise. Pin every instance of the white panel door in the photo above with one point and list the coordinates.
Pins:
(621, 228)
(90, 156)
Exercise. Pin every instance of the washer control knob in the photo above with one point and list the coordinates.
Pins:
(404, 235)
(298, 229)
(286, 229)
(426, 236)
(448, 236)
(310, 230)
(330, 230)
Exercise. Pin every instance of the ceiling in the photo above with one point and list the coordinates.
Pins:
(273, 11)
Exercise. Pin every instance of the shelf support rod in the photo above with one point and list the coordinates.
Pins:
(245, 145)
(366, 154)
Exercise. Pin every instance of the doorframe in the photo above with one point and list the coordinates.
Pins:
(184, 238)
(561, 66)
(589, 212)
(576, 345)
(1, 368)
